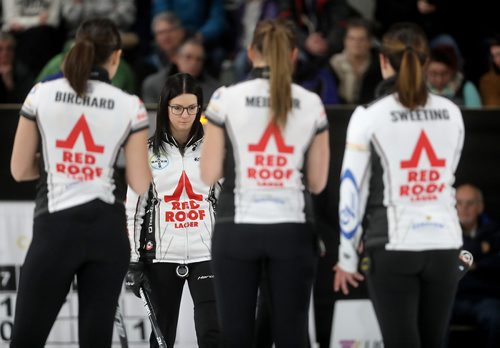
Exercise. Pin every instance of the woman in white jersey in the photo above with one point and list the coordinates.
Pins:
(399, 163)
(170, 228)
(268, 138)
(78, 123)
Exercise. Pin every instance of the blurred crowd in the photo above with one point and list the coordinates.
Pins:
(338, 44)
(338, 41)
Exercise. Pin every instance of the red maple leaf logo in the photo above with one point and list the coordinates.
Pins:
(271, 130)
(423, 144)
(81, 127)
(183, 183)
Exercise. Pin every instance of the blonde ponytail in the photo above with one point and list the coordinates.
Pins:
(275, 40)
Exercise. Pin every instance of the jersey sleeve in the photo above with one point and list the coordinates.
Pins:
(354, 188)
(216, 110)
(139, 119)
(321, 121)
(135, 208)
(29, 108)
(460, 143)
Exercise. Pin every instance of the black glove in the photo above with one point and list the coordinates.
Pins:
(136, 278)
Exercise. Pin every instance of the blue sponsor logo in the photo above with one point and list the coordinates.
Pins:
(268, 199)
(158, 162)
(420, 225)
(349, 219)
(216, 95)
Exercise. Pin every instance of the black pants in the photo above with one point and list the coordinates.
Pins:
(413, 293)
(238, 251)
(89, 241)
(166, 293)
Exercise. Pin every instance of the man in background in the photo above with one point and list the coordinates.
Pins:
(478, 297)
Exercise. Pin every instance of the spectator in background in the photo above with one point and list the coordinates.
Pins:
(432, 15)
(123, 79)
(206, 20)
(121, 12)
(169, 35)
(16, 80)
(320, 28)
(35, 24)
(356, 67)
(189, 60)
(478, 296)
(445, 78)
(245, 17)
(489, 83)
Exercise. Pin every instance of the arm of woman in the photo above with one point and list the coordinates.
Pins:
(343, 279)
(135, 208)
(137, 167)
(353, 194)
(24, 160)
(318, 160)
(212, 154)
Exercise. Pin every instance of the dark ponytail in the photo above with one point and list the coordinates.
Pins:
(96, 40)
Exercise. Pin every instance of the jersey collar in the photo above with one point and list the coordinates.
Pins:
(99, 74)
(263, 73)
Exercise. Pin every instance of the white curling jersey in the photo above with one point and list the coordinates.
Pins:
(80, 139)
(173, 222)
(263, 168)
(397, 177)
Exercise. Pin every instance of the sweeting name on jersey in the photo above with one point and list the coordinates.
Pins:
(71, 98)
(420, 115)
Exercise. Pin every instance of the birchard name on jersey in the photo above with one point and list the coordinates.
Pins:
(71, 98)
(264, 102)
(420, 115)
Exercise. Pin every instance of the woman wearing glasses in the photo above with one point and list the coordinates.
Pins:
(170, 227)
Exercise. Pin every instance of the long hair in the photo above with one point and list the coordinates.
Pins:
(406, 48)
(174, 86)
(274, 39)
(96, 40)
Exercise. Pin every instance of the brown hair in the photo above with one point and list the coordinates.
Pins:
(96, 40)
(274, 39)
(405, 46)
(444, 54)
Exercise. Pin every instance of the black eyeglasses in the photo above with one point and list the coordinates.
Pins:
(179, 109)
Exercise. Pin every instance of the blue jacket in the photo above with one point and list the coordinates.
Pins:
(204, 16)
